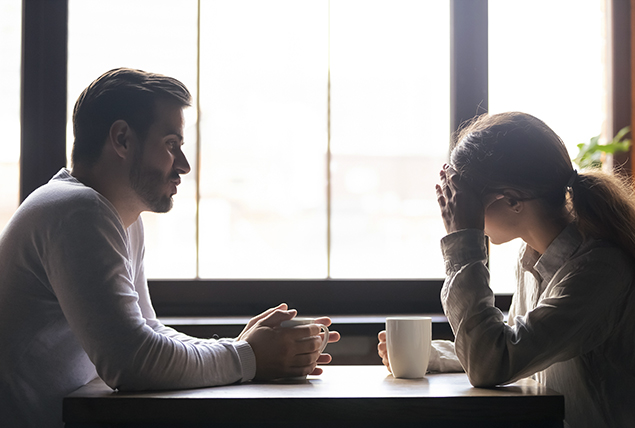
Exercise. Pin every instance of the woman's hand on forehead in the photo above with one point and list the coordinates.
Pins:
(461, 206)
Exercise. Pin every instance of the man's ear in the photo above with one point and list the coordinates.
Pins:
(121, 138)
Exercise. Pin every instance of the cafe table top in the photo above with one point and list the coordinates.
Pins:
(344, 395)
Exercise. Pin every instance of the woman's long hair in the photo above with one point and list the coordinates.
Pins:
(520, 152)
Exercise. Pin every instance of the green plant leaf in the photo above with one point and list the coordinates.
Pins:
(590, 154)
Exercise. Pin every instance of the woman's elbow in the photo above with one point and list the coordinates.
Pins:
(486, 377)
(482, 380)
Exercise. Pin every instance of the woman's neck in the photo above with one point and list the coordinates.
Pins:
(540, 229)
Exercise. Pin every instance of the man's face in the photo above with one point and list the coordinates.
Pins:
(158, 164)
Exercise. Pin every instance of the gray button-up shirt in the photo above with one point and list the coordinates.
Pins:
(571, 323)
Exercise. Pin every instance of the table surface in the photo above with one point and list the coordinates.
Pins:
(359, 394)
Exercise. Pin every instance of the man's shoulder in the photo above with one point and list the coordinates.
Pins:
(67, 199)
(60, 194)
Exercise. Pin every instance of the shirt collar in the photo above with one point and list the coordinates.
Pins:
(64, 175)
(528, 257)
(558, 252)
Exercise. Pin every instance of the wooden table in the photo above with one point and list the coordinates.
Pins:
(347, 396)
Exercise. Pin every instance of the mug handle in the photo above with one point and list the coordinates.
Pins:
(326, 337)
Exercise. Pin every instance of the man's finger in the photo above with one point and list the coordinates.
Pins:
(277, 316)
(324, 359)
(301, 331)
(281, 306)
(305, 360)
(308, 345)
(334, 336)
(323, 320)
(317, 371)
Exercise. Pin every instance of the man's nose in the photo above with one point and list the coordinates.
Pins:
(181, 165)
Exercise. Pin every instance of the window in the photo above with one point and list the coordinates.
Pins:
(10, 45)
(320, 126)
(390, 89)
(282, 88)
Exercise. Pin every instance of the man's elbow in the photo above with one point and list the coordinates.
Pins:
(126, 379)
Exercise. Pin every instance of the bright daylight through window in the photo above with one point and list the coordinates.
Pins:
(318, 127)
(10, 27)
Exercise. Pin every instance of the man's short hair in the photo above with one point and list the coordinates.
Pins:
(120, 94)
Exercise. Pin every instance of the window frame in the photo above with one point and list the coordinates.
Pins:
(247, 297)
(43, 119)
(43, 92)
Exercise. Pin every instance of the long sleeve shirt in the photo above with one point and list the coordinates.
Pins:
(571, 323)
(74, 304)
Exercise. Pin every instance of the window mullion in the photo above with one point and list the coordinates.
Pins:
(328, 150)
(468, 60)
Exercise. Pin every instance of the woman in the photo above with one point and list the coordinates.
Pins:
(572, 319)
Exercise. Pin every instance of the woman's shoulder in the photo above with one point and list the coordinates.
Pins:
(592, 250)
(600, 263)
(572, 247)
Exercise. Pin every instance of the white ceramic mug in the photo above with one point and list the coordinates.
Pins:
(409, 341)
(304, 321)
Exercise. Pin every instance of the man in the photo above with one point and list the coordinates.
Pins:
(74, 300)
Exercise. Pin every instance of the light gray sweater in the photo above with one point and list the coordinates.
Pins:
(74, 304)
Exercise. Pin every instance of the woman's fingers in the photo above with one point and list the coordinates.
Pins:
(444, 190)
(382, 349)
(445, 199)
(440, 198)
(461, 207)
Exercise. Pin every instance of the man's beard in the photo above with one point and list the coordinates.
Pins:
(149, 184)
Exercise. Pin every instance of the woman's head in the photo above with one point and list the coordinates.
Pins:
(514, 152)
(519, 155)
